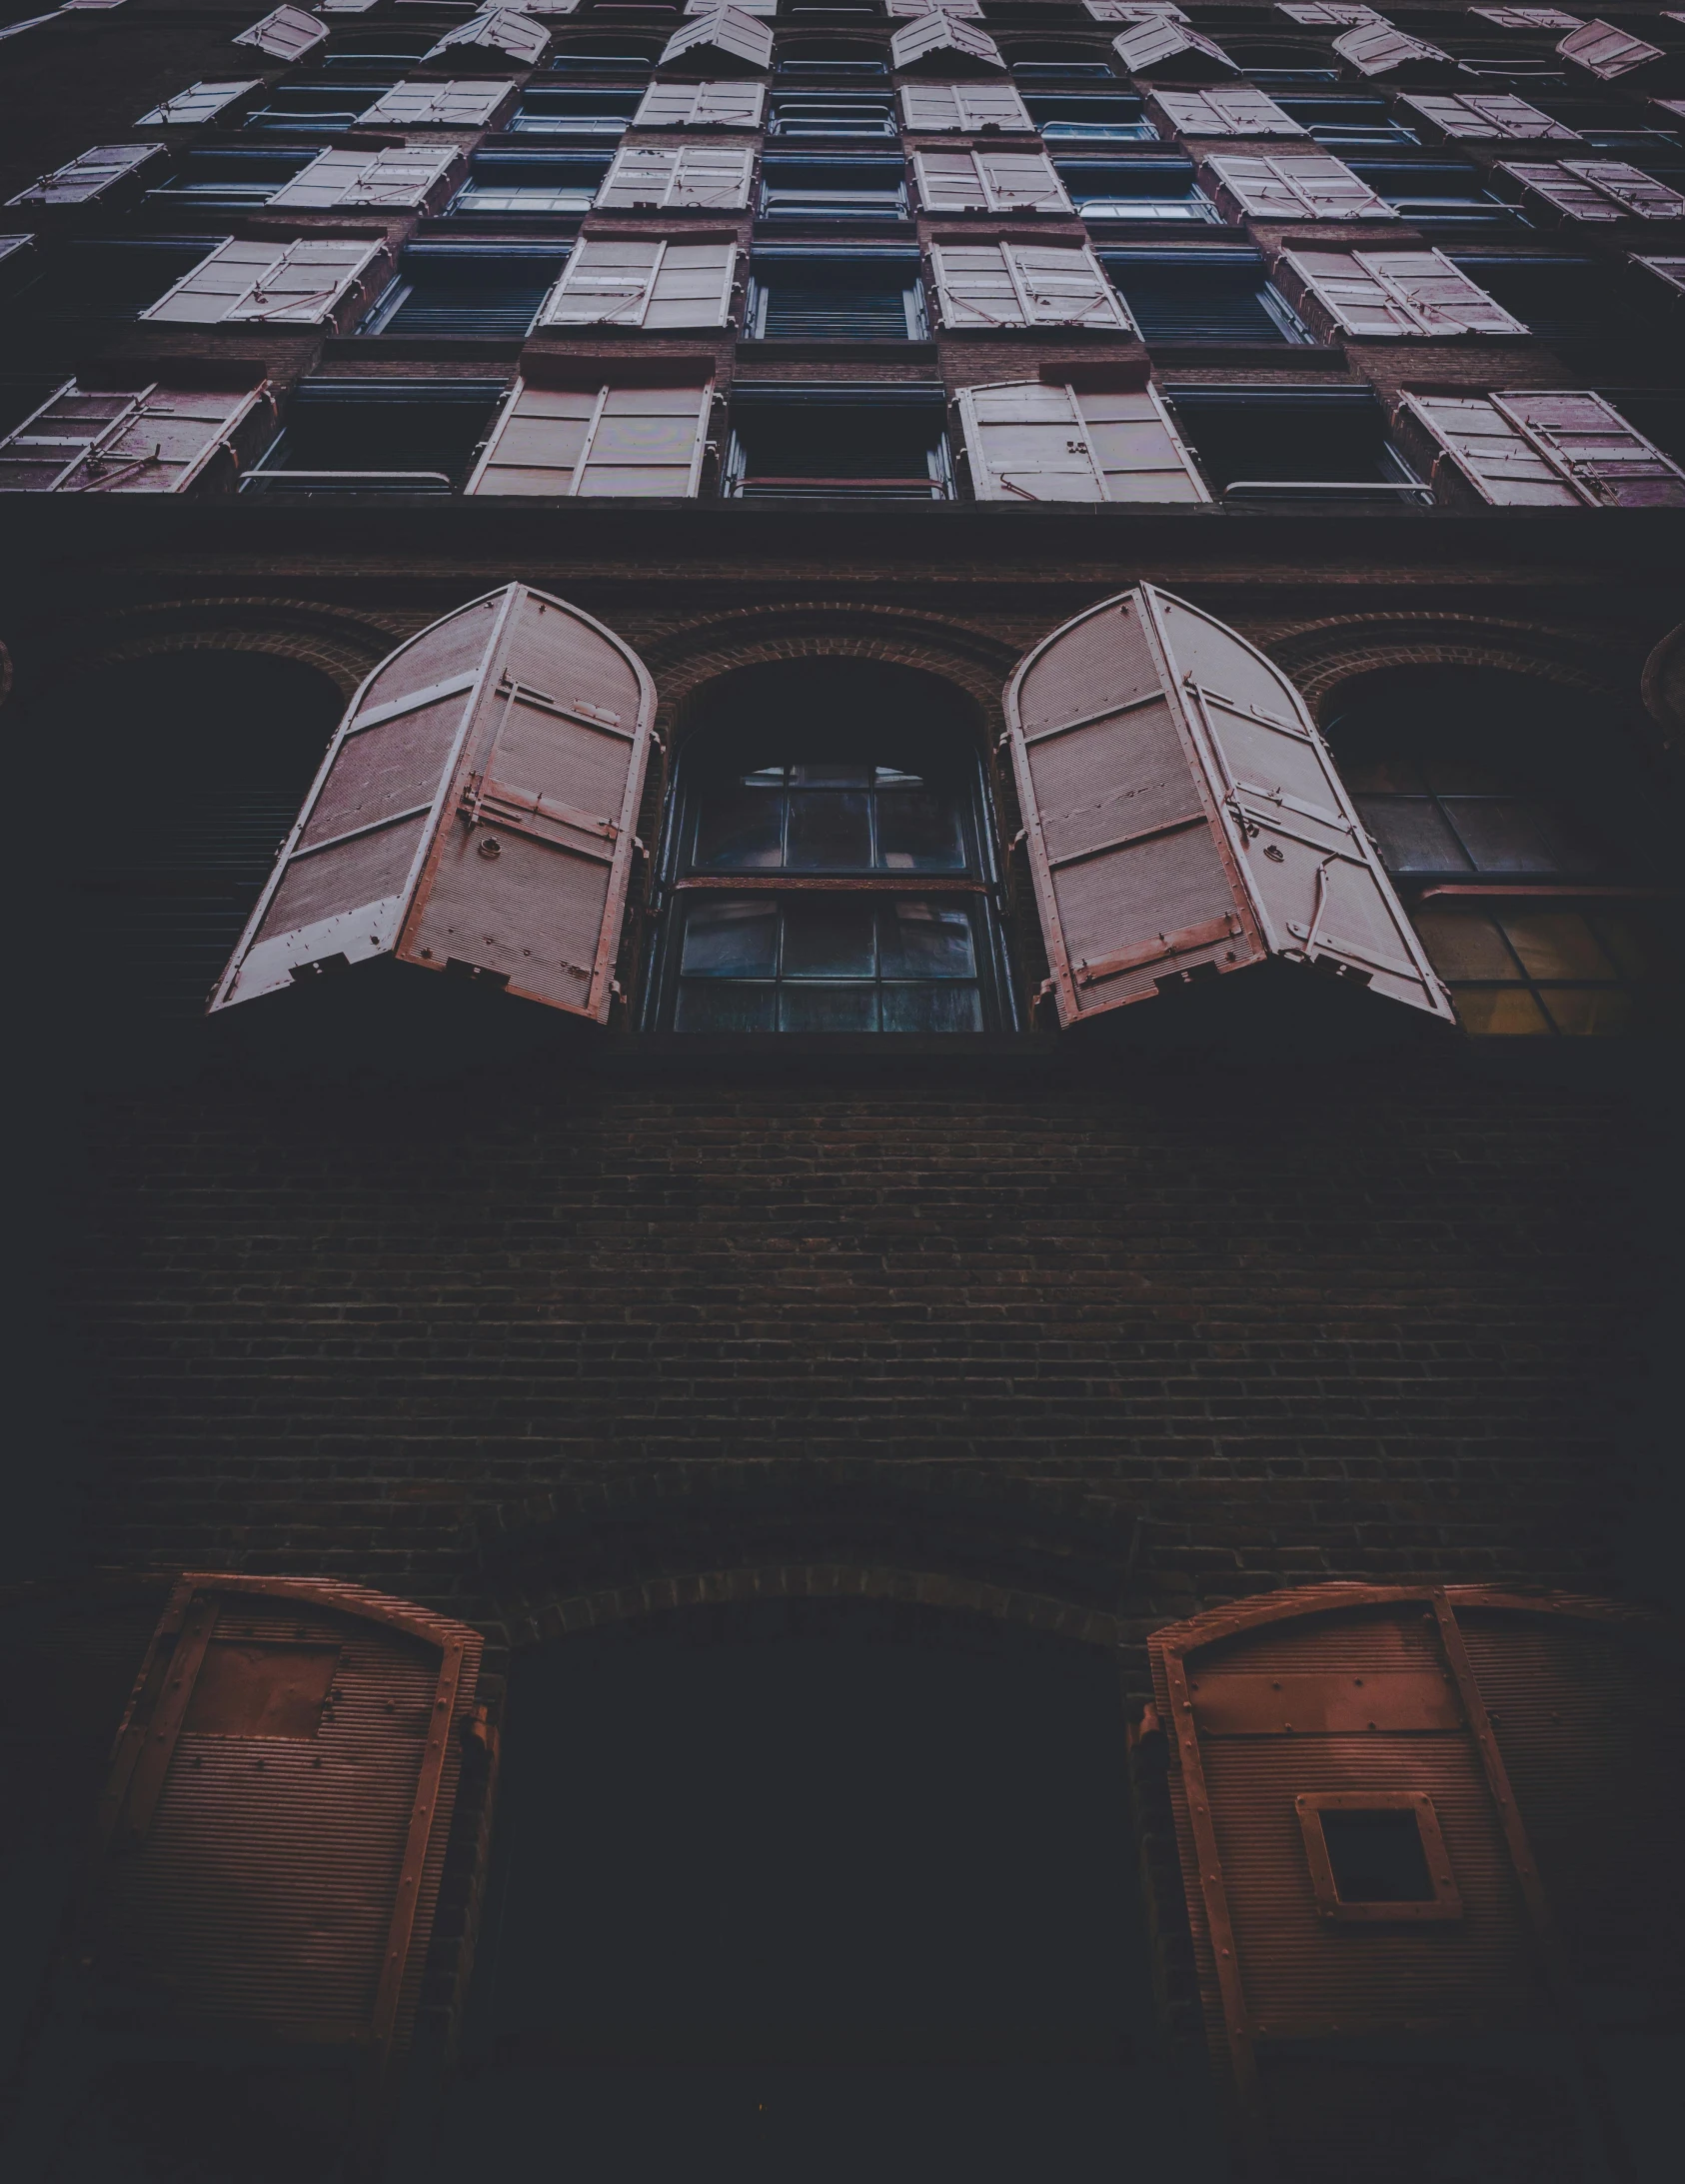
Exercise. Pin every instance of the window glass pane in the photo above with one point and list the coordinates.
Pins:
(1637, 946)
(829, 832)
(822, 774)
(919, 832)
(829, 936)
(1589, 1012)
(718, 1005)
(827, 1008)
(1390, 775)
(1413, 836)
(1504, 834)
(926, 941)
(1499, 1010)
(944, 1008)
(1556, 945)
(730, 939)
(741, 828)
(1463, 945)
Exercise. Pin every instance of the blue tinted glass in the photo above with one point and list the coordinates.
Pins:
(918, 831)
(829, 830)
(933, 1007)
(718, 1005)
(926, 941)
(731, 937)
(827, 1008)
(827, 937)
(741, 827)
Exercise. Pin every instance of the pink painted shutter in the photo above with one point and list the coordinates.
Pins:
(1066, 287)
(949, 182)
(1132, 11)
(439, 105)
(1606, 52)
(1529, 18)
(1495, 457)
(476, 807)
(1293, 186)
(1334, 291)
(1136, 447)
(1594, 446)
(716, 175)
(1247, 113)
(1561, 190)
(1151, 44)
(642, 174)
(288, 34)
(273, 1828)
(398, 180)
(1022, 182)
(702, 106)
(1669, 271)
(934, 37)
(975, 285)
(1328, 14)
(1631, 189)
(1376, 49)
(1473, 119)
(199, 102)
(1181, 810)
(287, 284)
(509, 31)
(1444, 299)
(154, 440)
(970, 10)
(89, 175)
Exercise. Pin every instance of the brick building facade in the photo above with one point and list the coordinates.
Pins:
(793, 1310)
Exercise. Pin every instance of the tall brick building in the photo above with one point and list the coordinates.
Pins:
(878, 1399)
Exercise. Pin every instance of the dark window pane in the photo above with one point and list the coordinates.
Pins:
(1589, 1012)
(1385, 776)
(827, 937)
(1556, 943)
(827, 1008)
(741, 827)
(1458, 773)
(935, 1008)
(926, 941)
(1413, 836)
(1496, 1011)
(733, 939)
(1377, 1857)
(822, 774)
(918, 831)
(1510, 836)
(1637, 944)
(1465, 944)
(829, 832)
(724, 1006)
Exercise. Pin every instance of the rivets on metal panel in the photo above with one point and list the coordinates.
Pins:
(489, 847)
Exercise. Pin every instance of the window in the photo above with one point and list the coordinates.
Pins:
(1434, 191)
(858, 188)
(1377, 1857)
(830, 773)
(1279, 64)
(542, 112)
(1080, 116)
(810, 296)
(650, 177)
(702, 106)
(807, 61)
(1558, 296)
(110, 280)
(447, 289)
(1348, 124)
(655, 282)
(1033, 64)
(794, 442)
(531, 183)
(1157, 190)
(1517, 827)
(1296, 443)
(374, 54)
(1108, 440)
(834, 114)
(626, 58)
(315, 107)
(1201, 294)
(378, 436)
(227, 178)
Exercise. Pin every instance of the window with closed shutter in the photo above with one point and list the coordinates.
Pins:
(90, 175)
(287, 34)
(278, 284)
(439, 105)
(1167, 44)
(199, 102)
(1377, 49)
(623, 441)
(655, 284)
(970, 10)
(941, 40)
(1322, 14)
(1479, 118)
(1024, 284)
(988, 181)
(499, 30)
(396, 179)
(1389, 293)
(653, 176)
(727, 33)
(965, 106)
(1290, 186)
(1034, 441)
(155, 438)
(476, 809)
(702, 106)
(1219, 113)
(1605, 52)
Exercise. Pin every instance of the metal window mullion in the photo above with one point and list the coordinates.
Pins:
(588, 442)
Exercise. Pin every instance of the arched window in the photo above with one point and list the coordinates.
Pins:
(1517, 836)
(829, 865)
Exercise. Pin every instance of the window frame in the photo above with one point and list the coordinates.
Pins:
(1446, 1903)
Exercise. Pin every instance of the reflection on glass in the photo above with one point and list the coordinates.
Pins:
(827, 962)
(829, 936)
(918, 831)
(827, 1008)
(1556, 945)
(926, 941)
(741, 829)
(1507, 833)
(829, 832)
(829, 816)
(730, 939)
(1413, 835)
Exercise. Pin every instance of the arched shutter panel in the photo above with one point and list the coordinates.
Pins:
(1035, 442)
(1377, 49)
(702, 106)
(1605, 52)
(271, 1833)
(474, 809)
(727, 32)
(1161, 40)
(288, 34)
(509, 31)
(968, 106)
(942, 39)
(1240, 113)
(1290, 186)
(1182, 810)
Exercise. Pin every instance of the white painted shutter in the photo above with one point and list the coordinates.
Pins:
(971, 8)
(1376, 49)
(199, 102)
(1024, 284)
(702, 106)
(1239, 113)
(285, 284)
(1670, 271)
(394, 179)
(1498, 461)
(1391, 293)
(1596, 189)
(500, 30)
(1593, 444)
(1181, 810)
(1529, 18)
(989, 181)
(609, 282)
(1319, 14)
(1151, 44)
(1605, 51)
(288, 33)
(971, 106)
(639, 442)
(476, 807)
(932, 36)
(1033, 442)
(1477, 116)
(146, 440)
(89, 175)
(441, 105)
(1293, 186)
(723, 30)
(656, 175)
(1132, 11)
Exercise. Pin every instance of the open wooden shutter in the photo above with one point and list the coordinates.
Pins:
(398, 180)
(1605, 52)
(702, 106)
(941, 38)
(1669, 271)
(1181, 810)
(1631, 189)
(1290, 186)
(1239, 113)
(1024, 284)
(1444, 300)
(1493, 115)
(1561, 190)
(89, 175)
(1529, 18)
(146, 440)
(971, 9)
(288, 34)
(272, 1833)
(439, 105)
(1328, 14)
(989, 181)
(281, 284)
(1528, 1750)
(630, 282)
(1033, 440)
(968, 106)
(1377, 49)
(500, 30)
(476, 809)
(1497, 459)
(659, 174)
(1388, 293)
(1161, 40)
(199, 102)
(1133, 11)
(729, 32)
(647, 441)
(1591, 444)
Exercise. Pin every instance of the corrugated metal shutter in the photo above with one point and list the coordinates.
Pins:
(933, 36)
(144, 440)
(658, 175)
(1498, 461)
(1389, 293)
(288, 33)
(989, 181)
(286, 284)
(702, 106)
(272, 1830)
(1024, 284)
(199, 102)
(500, 30)
(476, 807)
(1181, 810)
(723, 30)
(1240, 113)
(396, 179)
(1149, 45)
(971, 106)
(1290, 186)
(1033, 442)
(1493, 115)
(1376, 49)
(1595, 447)
(655, 284)
(1605, 51)
(443, 105)
(89, 175)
